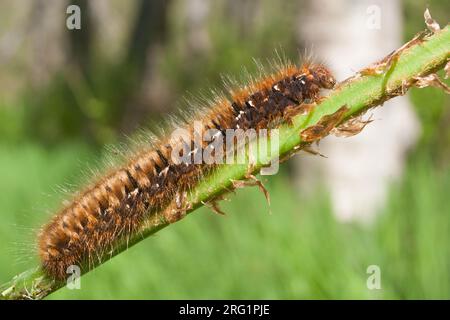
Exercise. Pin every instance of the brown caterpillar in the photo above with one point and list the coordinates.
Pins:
(115, 206)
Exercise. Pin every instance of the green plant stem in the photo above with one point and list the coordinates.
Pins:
(359, 94)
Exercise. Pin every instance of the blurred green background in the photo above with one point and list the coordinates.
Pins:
(56, 118)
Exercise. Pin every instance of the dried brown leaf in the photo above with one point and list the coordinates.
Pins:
(431, 80)
(351, 127)
(432, 25)
(324, 126)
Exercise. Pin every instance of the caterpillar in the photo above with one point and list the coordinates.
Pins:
(113, 208)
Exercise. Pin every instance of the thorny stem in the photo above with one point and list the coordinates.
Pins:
(370, 87)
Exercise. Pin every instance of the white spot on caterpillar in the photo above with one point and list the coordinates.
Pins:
(178, 200)
(240, 115)
(164, 171)
(301, 77)
(194, 151)
(133, 193)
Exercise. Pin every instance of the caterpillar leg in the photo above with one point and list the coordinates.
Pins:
(214, 205)
(251, 181)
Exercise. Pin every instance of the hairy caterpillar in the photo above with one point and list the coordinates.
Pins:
(116, 205)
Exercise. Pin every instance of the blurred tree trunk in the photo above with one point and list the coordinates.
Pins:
(41, 30)
(196, 13)
(146, 40)
(349, 35)
(150, 28)
(80, 41)
(243, 13)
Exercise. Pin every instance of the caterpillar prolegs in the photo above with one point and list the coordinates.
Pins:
(117, 205)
